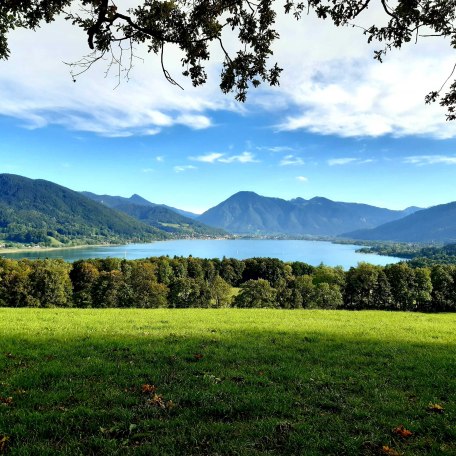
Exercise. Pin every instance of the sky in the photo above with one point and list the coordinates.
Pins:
(340, 125)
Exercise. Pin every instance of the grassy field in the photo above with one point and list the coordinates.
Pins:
(226, 382)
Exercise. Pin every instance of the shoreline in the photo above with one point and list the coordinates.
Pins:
(4, 250)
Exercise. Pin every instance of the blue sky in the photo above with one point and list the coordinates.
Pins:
(347, 129)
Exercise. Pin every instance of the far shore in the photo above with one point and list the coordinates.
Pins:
(49, 249)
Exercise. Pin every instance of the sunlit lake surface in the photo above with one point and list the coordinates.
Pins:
(311, 252)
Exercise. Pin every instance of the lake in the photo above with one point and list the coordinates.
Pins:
(311, 252)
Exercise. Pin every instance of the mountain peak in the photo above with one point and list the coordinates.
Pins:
(137, 199)
(247, 212)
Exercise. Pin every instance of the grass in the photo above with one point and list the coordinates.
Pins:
(228, 382)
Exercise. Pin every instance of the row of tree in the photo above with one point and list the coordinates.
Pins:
(258, 282)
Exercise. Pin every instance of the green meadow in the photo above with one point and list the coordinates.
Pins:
(226, 382)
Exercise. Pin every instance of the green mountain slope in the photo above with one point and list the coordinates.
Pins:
(38, 211)
(436, 224)
(247, 212)
(158, 216)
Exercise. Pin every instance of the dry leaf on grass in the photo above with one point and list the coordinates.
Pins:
(435, 408)
(157, 401)
(6, 400)
(390, 451)
(402, 432)
(3, 443)
(146, 388)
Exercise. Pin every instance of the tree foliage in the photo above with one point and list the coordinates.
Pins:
(192, 282)
(193, 25)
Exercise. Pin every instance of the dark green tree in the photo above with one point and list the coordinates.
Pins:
(256, 293)
(327, 296)
(144, 290)
(106, 290)
(443, 288)
(83, 275)
(185, 292)
(382, 298)
(50, 283)
(360, 286)
(15, 285)
(220, 292)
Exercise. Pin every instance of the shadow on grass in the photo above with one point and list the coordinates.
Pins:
(225, 392)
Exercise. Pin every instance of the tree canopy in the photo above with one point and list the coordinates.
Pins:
(193, 25)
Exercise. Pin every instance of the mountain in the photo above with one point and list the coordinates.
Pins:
(158, 216)
(39, 211)
(113, 201)
(249, 213)
(435, 224)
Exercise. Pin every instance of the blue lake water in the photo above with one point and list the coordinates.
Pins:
(311, 252)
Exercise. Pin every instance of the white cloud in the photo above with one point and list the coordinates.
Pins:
(145, 105)
(245, 157)
(216, 157)
(208, 158)
(340, 161)
(291, 160)
(337, 88)
(302, 179)
(276, 148)
(334, 88)
(182, 168)
(160, 158)
(421, 160)
(348, 160)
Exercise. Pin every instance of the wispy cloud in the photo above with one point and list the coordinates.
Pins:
(147, 170)
(160, 158)
(245, 157)
(208, 158)
(422, 160)
(217, 157)
(340, 161)
(302, 179)
(291, 160)
(182, 168)
(348, 160)
(276, 148)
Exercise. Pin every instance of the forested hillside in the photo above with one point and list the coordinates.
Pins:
(158, 216)
(38, 211)
(436, 224)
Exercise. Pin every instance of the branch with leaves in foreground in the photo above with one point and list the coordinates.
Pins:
(192, 25)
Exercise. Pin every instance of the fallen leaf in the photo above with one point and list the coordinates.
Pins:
(390, 451)
(170, 405)
(6, 400)
(157, 401)
(402, 432)
(435, 408)
(3, 443)
(146, 388)
(198, 356)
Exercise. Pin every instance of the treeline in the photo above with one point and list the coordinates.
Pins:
(420, 256)
(258, 282)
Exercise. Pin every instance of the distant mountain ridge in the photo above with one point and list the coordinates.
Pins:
(39, 211)
(250, 213)
(435, 224)
(157, 215)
